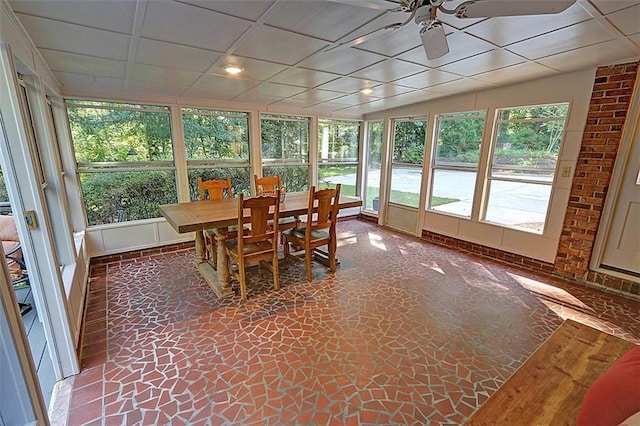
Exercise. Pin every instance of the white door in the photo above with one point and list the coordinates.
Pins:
(622, 248)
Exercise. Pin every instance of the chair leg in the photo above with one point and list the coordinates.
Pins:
(307, 261)
(332, 256)
(243, 280)
(287, 253)
(274, 269)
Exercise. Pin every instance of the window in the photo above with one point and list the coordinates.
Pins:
(523, 161)
(455, 160)
(32, 132)
(338, 143)
(217, 146)
(406, 166)
(285, 149)
(124, 154)
(371, 192)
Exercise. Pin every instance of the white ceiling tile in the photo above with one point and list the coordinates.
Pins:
(635, 38)
(103, 14)
(303, 78)
(393, 42)
(461, 86)
(276, 45)
(274, 90)
(483, 62)
(164, 76)
(291, 103)
(388, 90)
(461, 46)
(315, 96)
(573, 37)
(218, 87)
(347, 85)
(506, 30)
(344, 61)
(81, 83)
(71, 38)
(516, 73)
(355, 99)
(608, 6)
(246, 9)
(337, 19)
(192, 26)
(253, 69)
(601, 53)
(627, 20)
(160, 53)
(427, 79)
(388, 71)
(80, 64)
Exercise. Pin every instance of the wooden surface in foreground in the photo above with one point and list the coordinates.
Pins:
(550, 386)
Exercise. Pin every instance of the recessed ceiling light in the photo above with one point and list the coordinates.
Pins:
(366, 90)
(233, 69)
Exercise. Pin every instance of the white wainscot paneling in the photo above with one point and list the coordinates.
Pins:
(441, 224)
(402, 218)
(481, 233)
(76, 278)
(571, 145)
(128, 236)
(531, 245)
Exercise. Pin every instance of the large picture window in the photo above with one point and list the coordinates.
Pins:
(124, 154)
(285, 149)
(373, 161)
(523, 162)
(217, 146)
(406, 165)
(456, 153)
(338, 147)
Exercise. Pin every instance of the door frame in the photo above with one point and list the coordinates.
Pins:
(632, 125)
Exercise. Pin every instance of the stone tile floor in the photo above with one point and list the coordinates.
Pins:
(403, 333)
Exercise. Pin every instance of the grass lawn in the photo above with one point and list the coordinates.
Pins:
(400, 197)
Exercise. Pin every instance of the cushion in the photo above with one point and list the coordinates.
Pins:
(8, 230)
(14, 269)
(615, 395)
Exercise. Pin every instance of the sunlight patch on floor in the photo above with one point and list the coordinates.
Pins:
(376, 241)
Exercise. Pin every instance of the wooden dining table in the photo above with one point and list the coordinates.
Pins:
(196, 216)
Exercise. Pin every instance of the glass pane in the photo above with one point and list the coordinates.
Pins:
(215, 137)
(452, 191)
(372, 173)
(328, 176)
(455, 162)
(109, 135)
(240, 179)
(285, 141)
(518, 204)
(338, 141)
(294, 178)
(406, 168)
(124, 196)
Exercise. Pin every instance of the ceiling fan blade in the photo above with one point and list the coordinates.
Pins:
(493, 8)
(434, 40)
(364, 37)
(376, 4)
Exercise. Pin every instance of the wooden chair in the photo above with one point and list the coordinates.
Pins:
(214, 189)
(319, 230)
(269, 185)
(260, 242)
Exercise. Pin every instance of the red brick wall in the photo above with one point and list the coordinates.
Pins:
(608, 108)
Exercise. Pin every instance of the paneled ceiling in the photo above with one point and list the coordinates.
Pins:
(142, 48)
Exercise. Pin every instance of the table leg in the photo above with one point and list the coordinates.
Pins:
(201, 250)
(220, 280)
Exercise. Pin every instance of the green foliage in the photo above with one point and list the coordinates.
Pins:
(341, 139)
(408, 144)
(121, 196)
(459, 137)
(294, 178)
(375, 142)
(240, 179)
(285, 139)
(216, 137)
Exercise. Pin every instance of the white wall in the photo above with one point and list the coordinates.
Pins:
(574, 88)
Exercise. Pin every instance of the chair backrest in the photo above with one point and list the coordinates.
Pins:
(324, 203)
(261, 229)
(215, 189)
(268, 183)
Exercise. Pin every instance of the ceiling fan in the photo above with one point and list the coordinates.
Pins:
(425, 14)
